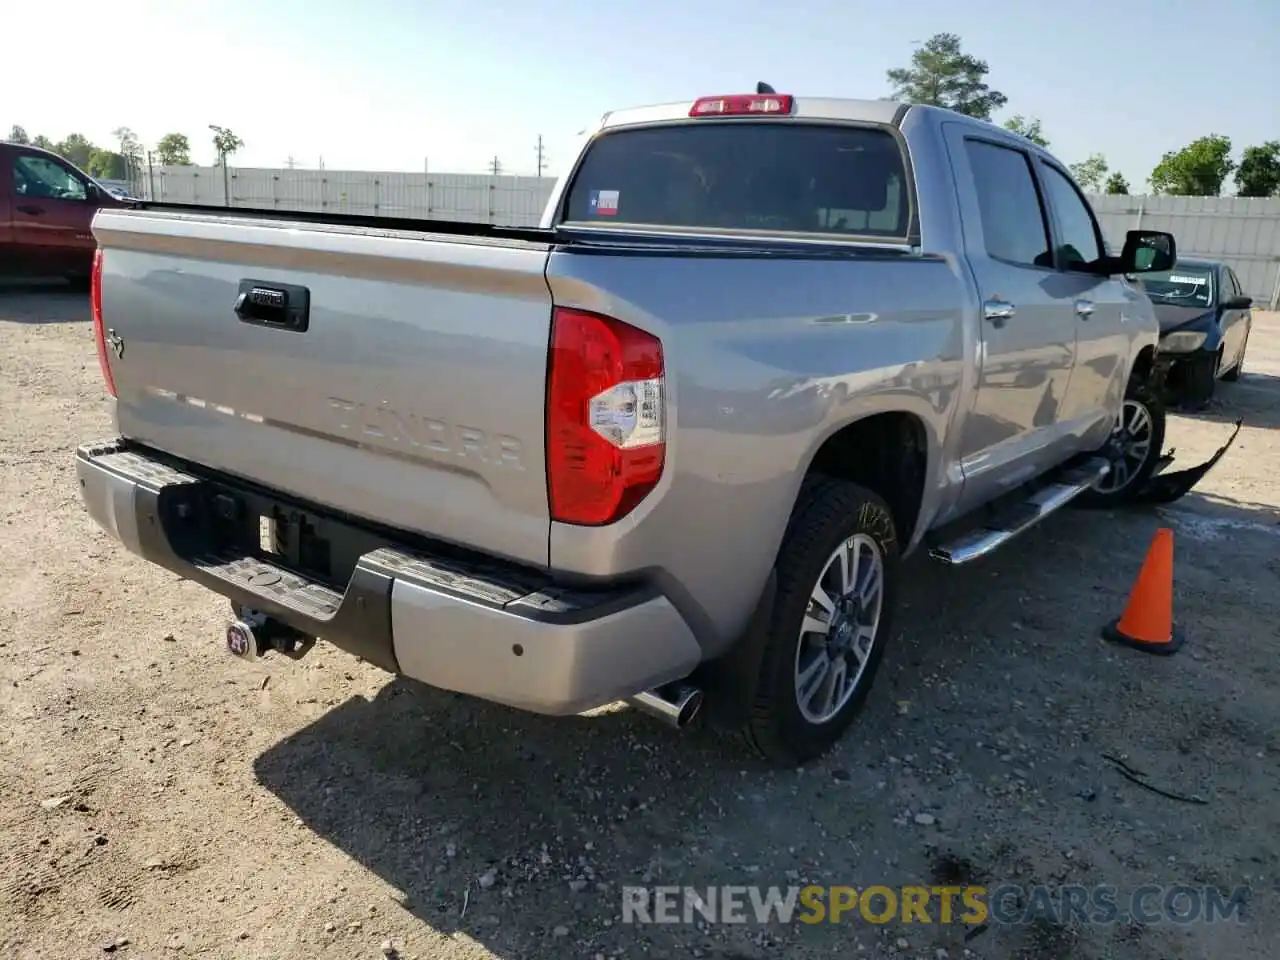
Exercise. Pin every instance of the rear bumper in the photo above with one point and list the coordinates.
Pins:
(475, 626)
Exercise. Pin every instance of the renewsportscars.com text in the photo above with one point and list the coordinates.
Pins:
(969, 905)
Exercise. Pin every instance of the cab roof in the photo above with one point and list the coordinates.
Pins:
(804, 108)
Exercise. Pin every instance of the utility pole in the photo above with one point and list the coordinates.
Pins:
(290, 162)
(542, 164)
(495, 166)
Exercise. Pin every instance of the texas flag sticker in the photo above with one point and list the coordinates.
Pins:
(604, 203)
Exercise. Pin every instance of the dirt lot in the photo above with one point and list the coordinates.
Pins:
(159, 799)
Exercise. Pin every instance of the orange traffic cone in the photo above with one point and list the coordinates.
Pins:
(1147, 621)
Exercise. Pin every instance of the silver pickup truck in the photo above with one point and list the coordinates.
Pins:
(669, 447)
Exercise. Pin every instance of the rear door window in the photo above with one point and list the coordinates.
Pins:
(723, 175)
(1014, 227)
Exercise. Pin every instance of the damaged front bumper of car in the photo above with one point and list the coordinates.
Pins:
(1164, 487)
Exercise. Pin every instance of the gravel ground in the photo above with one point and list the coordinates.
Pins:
(159, 799)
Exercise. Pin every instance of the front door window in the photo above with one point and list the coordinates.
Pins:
(42, 178)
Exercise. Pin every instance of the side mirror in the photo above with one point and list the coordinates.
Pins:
(1147, 251)
(1238, 303)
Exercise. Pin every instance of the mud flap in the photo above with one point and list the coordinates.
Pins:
(1168, 487)
(729, 682)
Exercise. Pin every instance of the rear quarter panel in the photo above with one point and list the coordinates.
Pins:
(765, 359)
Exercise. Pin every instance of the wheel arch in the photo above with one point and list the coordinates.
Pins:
(1144, 363)
(838, 451)
(904, 453)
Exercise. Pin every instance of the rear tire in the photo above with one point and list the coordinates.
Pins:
(837, 574)
(1133, 448)
(79, 283)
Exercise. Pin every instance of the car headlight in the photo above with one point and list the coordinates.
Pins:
(1183, 341)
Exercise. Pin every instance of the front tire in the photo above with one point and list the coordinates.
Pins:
(1200, 381)
(837, 575)
(1133, 449)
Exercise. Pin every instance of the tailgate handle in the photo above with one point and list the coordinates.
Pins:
(284, 306)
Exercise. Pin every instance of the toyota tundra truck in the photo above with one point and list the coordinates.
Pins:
(668, 448)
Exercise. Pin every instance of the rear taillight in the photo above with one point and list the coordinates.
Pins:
(742, 104)
(99, 333)
(606, 413)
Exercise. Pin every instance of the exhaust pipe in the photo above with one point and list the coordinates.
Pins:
(676, 704)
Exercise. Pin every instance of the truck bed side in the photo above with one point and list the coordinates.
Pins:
(767, 358)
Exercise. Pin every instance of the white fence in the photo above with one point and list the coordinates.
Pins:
(479, 198)
(1244, 233)
(1241, 232)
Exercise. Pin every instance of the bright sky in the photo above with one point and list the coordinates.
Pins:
(387, 85)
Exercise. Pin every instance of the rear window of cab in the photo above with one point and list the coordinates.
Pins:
(757, 176)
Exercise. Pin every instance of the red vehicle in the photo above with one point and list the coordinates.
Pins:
(46, 207)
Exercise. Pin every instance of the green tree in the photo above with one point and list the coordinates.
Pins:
(1259, 172)
(225, 143)
(1091, 172)
(942, 75)
(1197, 170)
(1116, 183)
(130, 148)
(76, 148)
(107, 165)
(174, 150)
(18, 135)
(44, 143)
(1027, 127)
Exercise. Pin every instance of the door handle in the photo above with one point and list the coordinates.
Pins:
(997, 311)
(1084, 309)
(284, 306)
(33, 211)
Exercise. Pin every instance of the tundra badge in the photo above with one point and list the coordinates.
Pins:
(116, 341)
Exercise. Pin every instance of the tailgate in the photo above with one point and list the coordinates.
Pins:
(414, 396)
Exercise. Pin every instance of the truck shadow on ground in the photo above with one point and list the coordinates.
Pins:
(1214, 522)
(1225, 511)
(1254, 398)
(42, 302)
(520, 830)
